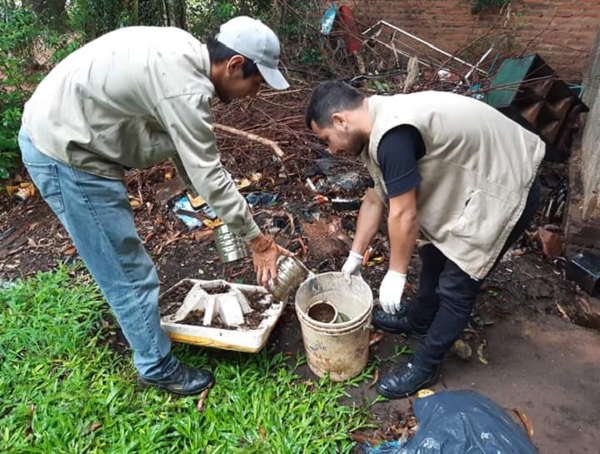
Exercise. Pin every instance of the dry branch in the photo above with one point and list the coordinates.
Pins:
(278, 151)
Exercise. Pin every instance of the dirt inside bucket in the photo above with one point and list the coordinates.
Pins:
(252, 320)
(322, 312)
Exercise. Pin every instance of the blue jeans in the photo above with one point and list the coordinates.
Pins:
(97, 214)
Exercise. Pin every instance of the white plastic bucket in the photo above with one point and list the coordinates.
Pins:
(340, 349)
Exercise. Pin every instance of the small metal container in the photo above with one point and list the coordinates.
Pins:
(230, 246)
(290, 274)
(584, 269)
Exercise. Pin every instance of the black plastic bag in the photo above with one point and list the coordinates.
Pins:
(461, 422)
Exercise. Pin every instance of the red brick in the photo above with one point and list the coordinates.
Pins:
(563, 29)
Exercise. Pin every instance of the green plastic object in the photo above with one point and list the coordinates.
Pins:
(511, 72)
(528, 91)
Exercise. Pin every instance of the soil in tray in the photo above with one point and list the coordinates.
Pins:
(217, 290)
(171, 301)
(252, 320)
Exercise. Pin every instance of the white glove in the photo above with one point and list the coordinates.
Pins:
(390, 292)
(352, 265)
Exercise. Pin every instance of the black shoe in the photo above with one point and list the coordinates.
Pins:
(184, 381)
(394, 323)
(406, 381)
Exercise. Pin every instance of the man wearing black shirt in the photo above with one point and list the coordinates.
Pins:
(467, 171)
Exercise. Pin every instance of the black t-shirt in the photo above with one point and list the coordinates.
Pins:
(399, 150)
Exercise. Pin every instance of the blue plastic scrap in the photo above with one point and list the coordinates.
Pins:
(184, 204)
(328, 19)
(261, 198)
(460, 422)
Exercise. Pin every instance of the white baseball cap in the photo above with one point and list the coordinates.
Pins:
(254, 40)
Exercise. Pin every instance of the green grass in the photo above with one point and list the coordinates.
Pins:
(62, 390)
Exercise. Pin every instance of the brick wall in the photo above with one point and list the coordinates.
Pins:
(561, 31)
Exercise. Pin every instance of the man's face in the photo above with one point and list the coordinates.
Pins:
(233, 85)
(340, 138)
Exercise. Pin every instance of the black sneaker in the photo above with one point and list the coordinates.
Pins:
(184, 381)
(395, 323)
(406, 381)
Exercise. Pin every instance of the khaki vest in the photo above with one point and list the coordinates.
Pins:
(477, 171)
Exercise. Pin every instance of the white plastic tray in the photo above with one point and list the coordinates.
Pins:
(241, 339)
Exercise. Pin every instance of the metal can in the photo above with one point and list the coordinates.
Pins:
(290, 274)
(230, 246)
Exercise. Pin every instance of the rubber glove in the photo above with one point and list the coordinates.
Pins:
(352, 265)
(390, 291)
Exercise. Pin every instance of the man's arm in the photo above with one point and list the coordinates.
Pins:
(369, 218)
(398, 153)
(188, 120)
(403, 228)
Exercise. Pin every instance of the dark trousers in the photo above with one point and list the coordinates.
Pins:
(447, 294)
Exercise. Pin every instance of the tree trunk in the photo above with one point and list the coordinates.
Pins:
(174, 14)
(51, 12)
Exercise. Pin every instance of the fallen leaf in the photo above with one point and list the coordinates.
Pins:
(212, 224)
(375, 378)
(362, 439)
(375, 338)
(462, 350)
(526, 422)
(202, 235)
(563, 313)
(481, 354)
(309, 384)
(31, 242)
(367, 256)
(29, 430)
(94, 426)
(71, 250)
(202, 400)
(425, 393)
(262, 432)
(149, 237)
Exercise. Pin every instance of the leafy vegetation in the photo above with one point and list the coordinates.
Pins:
(35, 35)
(64, 390)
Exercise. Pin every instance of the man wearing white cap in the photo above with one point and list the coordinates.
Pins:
(130, 99)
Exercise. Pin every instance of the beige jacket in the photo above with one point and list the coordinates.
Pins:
(135, 97)
(477, 171)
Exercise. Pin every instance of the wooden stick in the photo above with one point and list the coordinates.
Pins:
(278, 151)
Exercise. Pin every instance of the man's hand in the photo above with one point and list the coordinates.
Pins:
(390, 292)
(352, 265)
(265, 253)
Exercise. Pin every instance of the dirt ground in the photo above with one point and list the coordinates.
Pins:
(541, 364)
(537, 359)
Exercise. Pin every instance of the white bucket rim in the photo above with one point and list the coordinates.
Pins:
(338, 326)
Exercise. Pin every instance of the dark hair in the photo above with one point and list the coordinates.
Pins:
(219, 52)
(329, 98)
